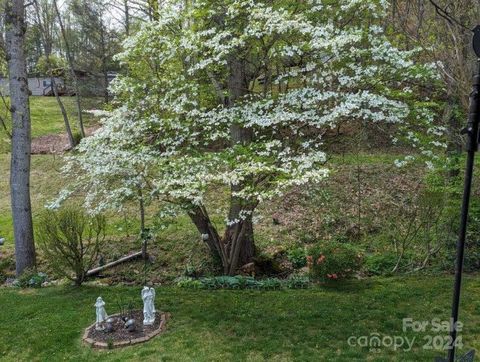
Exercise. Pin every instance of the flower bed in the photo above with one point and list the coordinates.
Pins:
(120, 336)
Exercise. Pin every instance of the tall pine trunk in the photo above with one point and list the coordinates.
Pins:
(21, 136)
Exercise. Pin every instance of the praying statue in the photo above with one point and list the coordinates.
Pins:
(148, 297)
(101, 313)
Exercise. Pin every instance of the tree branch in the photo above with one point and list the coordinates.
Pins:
(444, 13)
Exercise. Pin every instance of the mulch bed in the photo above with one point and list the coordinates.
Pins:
(50, 144)
(120, 336)
(55, 143)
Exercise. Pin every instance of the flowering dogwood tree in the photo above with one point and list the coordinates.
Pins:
(237, 94)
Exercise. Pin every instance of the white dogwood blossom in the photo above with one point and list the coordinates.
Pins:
(308, 68)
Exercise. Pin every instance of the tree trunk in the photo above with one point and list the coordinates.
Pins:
(127, 17)
(106, 96)
(241, 245)
(72, 70)
(454, 147)
(237, 246)
(71, 139)
(199, 216)
(21, 136)
(239, 235)
(235, 249)
(143, 230)
(104, 63)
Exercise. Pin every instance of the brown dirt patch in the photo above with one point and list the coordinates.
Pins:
(55, 143)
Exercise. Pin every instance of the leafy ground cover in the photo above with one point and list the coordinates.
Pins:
(287, 325)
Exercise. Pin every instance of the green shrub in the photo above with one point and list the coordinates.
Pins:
(297, 282)
(307, 238)
(242, 282)
(7, 267)
(77, 137)
(208, 283)
(70, 241)
(190, 271)
(223, 282)
(270, 284)
(30, 278)
(334, 260)
(380, 264)
(189, 283)
(297, 257)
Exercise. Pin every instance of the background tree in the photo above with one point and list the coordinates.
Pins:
(129, 13)
(44, 18)
(21, 127)
(71, 67)
(98, 41)
(447, 43)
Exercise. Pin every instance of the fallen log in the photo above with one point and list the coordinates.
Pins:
(95, 271)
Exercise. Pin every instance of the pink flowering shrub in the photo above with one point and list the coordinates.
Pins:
(334, 261)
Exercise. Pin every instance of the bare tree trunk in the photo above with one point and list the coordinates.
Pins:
(454, 145)
(127, 17)
(142, 224)
(106, 96)
(200, 218)
(21, 136)
(239, 236)
(72, 70)
(71, 139)
(104, 64)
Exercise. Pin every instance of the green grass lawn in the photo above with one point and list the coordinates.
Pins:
(47, 118)
(289, 325)
(45, 183)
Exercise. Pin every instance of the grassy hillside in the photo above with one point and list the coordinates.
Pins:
(300, 218)
(45, 182)
(366, 201)
(172, 248)
(47, 117)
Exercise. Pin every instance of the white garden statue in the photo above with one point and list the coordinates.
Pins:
(101, 313)
(148, 297)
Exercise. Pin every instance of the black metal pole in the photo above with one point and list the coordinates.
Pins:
(472, 146)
